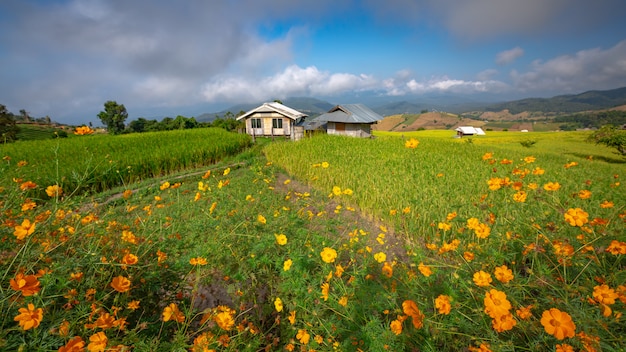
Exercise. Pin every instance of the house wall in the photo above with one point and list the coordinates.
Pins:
(266, 125)
(362, 130)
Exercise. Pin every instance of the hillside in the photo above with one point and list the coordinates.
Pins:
(309, 106)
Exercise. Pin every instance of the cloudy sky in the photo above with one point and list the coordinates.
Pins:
(65, 58)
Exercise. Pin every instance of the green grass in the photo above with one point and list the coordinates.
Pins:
(29, 132)
(373, 197)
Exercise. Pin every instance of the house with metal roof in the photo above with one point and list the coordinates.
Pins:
(353, 120)
(469, 131)
(273, 120)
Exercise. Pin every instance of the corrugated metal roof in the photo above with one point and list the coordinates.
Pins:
(350, 113)
(275, 107)
(470, 130)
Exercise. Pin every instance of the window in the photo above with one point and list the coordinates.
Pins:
(277, 123)
(256, 123)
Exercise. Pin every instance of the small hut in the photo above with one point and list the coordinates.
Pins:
(273, 120)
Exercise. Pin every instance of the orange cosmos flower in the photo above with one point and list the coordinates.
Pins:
(482, 230)
(165, 185)
(97, 342)
(564, 348)
(558, 323)
(411, 143)
(584, 194)
(396, 327)
(538, 171)
(472, 223)
(495, 183)
(425, 270)
(387, 269)
(30, 317)
(54, 191)
(172, 312)
(120, 284)
(469, 256)
(198, 261)
(552, 186)
(496, 304)
(25, 229)
(328, 255)
(444, 226)
(83, 131)
(606, 204)
(292, 317)
(487, 156)
(442, 303)
(529, 159)
(616, 247)
(28, 185)
(524, 312)
(28, 205)
(74, 345)
(576, 217)
(27, 284)
(506, 161)
(482, 278)
(484, 347)
(130, 259)
(410, 308)
(503, 323)
(571, 164)
(503, 274)
(225, 319)
(281, 239)
(133, 305)
(604, 294)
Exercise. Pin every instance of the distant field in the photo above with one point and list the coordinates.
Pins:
(28, 132)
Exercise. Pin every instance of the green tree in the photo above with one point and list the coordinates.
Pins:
(8, 128)
(113, 116)
(610, 136)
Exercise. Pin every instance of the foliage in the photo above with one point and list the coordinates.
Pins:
(594, 119)
(527, 143)
(434, 250)
(113, 116)
(98, 162)
(8, 128)
(611, 137)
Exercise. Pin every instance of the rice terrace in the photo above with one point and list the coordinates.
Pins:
(200, 240)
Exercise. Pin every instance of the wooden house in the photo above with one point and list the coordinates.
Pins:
(353, 120)
(273, 120)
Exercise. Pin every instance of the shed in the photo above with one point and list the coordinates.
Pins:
(272, 119)
(469, 131)
(353, 120)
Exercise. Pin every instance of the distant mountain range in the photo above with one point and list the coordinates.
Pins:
(591, 100)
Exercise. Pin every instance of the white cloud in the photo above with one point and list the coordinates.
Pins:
(586, 70)
(508, 56)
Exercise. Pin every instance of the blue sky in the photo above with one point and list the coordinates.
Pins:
(65, 58)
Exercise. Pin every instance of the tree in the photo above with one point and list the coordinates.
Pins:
(611, 137)
(113, 116)
(8, 128)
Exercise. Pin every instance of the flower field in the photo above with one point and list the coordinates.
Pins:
(327, 244)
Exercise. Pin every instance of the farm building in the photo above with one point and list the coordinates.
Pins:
(273, 120)
(469, 131)
(353, 120)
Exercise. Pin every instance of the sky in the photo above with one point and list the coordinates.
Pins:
(66, 58)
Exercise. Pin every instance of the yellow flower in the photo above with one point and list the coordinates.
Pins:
(482, 230)
(261, 219)
(529, 159)
(606, 204)
(552, 186)
(380, 257)
(343, 301)
(338, 270)
(303, 336)
(520, 196)
(226, 171)
(503, 274)
(558, 324)
(325, 289)
(325, 164)
(54, 191)
(30, 317)
(281, 239)
(576, 217)
(172, 312)
(411, 143)
(538, 171)
(328, 255)
(444, 226)
(287, 264)
(336, 190)
(442, 303)
(25, 229)
(292, 317)
(120, 284)
(165, 185)
(472, 223)
(278, 304)
(348, 192)
(425, 270)
(482, 278)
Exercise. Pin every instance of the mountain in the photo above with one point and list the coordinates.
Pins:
(591, 100)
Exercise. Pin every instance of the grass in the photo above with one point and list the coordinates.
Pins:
(243, 257)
